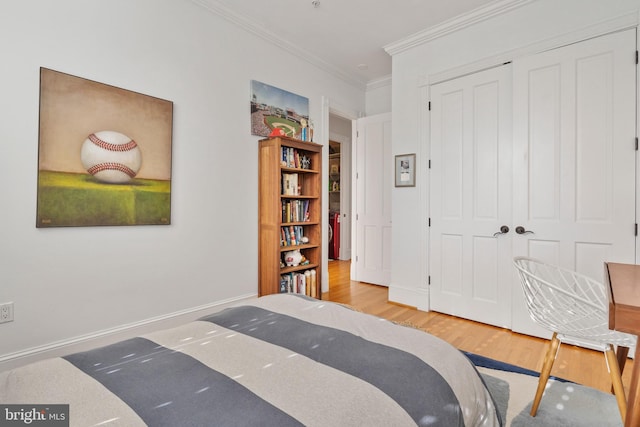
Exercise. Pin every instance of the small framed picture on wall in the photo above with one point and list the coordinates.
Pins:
(406, 170)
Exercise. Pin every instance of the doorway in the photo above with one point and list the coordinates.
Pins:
(339, 200)
(335, 182)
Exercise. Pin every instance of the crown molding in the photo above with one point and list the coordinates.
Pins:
(456, 24)
(618, 23)
(258, 30)
(379, 83)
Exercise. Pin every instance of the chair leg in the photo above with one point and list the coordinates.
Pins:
(616, 381)
(621, 354)
(550, 357)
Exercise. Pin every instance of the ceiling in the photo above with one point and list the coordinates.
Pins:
(348, 37)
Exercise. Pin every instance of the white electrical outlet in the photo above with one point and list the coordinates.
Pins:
(6, 312)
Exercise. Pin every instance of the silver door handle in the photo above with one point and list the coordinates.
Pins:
(503, 230)
(520, 230)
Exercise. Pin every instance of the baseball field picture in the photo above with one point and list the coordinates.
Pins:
(276, 108)
(104, 154)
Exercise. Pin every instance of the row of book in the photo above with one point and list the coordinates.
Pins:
(291, 235)
(300, 283)
(290, 186)
(292, 158)
(295, 210)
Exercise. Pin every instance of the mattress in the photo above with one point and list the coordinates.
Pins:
(278, 360)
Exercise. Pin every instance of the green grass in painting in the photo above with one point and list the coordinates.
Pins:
(70, 199)
(290, 127)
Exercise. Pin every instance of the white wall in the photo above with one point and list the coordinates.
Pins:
(72, 282)
(378, 97)
(539, 25)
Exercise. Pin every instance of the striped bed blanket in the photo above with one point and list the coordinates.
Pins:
(279, 360)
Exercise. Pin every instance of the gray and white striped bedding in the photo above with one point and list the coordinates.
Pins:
(278, 360)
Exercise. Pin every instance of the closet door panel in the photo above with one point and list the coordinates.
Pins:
(575, 159)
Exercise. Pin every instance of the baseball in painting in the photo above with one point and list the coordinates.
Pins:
(104, 154)
(273, 108)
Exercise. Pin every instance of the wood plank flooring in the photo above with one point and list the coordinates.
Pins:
(587, 367)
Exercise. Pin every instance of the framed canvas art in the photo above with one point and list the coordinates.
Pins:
(273, 108)
(104, 154)
(406, 170)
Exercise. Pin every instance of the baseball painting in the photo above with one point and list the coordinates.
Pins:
(104, 154)
(274, 108)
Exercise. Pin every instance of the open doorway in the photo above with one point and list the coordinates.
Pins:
(339, 205)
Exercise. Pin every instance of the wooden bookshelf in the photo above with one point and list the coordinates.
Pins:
(284, 218)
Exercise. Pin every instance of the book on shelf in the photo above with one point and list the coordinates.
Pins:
(295, 211)
(290, 184)
(292, 158)
(299, 283)
(291, 235)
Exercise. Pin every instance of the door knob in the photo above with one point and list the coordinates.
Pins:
(520, 230)
(503, 230)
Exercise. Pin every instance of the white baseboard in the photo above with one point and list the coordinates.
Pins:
(109, 336)
(413, 297)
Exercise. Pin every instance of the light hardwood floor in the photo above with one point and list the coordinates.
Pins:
(573, 363)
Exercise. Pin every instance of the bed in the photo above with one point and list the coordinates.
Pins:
(278, 360)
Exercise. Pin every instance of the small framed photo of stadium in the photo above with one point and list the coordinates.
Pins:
(104, 154)
(273, 108)
(406, 170)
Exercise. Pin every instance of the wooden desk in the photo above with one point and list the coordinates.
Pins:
(623, 282)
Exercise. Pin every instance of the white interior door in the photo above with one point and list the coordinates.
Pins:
(574, 158)
(470, 190)
(373, 175)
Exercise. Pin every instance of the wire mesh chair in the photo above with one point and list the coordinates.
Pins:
(574, 308)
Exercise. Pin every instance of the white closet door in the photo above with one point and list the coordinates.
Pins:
(470, 197)
(574, 158)
(374, 178)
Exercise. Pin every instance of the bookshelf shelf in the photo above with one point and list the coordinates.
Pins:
(294, 247)
(298, 196)
(298, 170)
(298, 268)
(289, 214)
